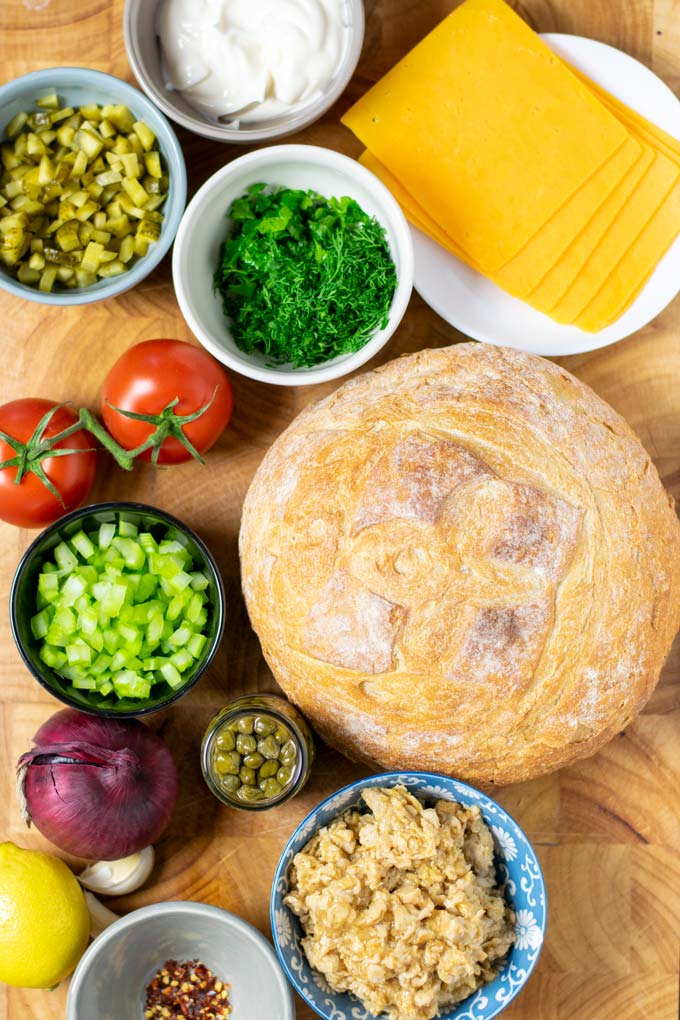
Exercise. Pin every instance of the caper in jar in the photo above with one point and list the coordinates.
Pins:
(263, 726)
(231, 783)
(226, 741)
(249, 793)
(269, 747)
(288, 753)
(254, 760)
(245, 743)
(270, 787)
(254, 757)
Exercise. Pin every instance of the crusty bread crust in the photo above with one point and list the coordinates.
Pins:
(463, 561)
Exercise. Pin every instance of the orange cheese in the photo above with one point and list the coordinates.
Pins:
(488, 131)
(643, 127)
(525, 269)
(631, 273)
(559, 277)
(624, 230)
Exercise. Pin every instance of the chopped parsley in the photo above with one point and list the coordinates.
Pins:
(303, 278)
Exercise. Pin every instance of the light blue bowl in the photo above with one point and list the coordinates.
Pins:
(78, 86)
(516, 864)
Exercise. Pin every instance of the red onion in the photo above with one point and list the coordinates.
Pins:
(97, 788)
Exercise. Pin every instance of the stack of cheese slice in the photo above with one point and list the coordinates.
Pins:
(521, 167)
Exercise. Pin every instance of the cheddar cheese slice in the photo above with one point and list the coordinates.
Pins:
(525, 269)
(561, 275)
(626, 227)
(631, 273)
(644, 128)
(488, 130)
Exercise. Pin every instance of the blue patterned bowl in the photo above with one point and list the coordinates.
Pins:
(517, 867)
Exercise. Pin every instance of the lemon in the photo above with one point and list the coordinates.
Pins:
(44, 921)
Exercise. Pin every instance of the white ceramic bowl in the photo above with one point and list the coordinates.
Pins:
(205, 225)
(110, 981)
(144, 53)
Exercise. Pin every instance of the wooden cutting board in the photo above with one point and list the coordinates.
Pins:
(607, 831)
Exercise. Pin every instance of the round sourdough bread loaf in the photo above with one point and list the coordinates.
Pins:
(464, 561)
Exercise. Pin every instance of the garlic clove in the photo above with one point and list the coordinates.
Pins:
(100, 916)
(117, 878)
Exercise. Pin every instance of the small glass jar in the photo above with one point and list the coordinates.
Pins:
(257, 752)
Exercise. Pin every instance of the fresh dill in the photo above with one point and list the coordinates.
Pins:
(303, 278)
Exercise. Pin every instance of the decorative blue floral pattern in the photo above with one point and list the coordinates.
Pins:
(516, 864)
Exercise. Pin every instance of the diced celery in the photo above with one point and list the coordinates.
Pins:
(174, 548)
(179, 581)
(194, 607)
(101, 664)
(120, 659)
(128, 633)
(182, 660)
(65, 557)
(129, 684)
(41, 621)
(199, 581)
(131, 551)
(147, 542)
(52, 657)
(82, 544)
(154, 630)
(78, 653)
(74, 587)
(48, 586)
(180, 636)
(176, 606)
(107, 622)
(114, 599)
(106, 533)
(65, 620)
(196, 644)
(84, 683)
(202, 619)
(88, 622)
(111, 640)
(147, 586)
(171, 674)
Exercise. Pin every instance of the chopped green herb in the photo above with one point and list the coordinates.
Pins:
(303, 278)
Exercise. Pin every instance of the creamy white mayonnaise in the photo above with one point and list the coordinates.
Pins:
(249, 60)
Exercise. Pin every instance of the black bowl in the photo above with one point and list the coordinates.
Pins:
(22, 602)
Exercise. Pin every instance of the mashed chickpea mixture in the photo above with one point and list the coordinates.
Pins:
(400, 905)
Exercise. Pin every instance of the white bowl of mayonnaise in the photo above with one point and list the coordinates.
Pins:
(243, 70)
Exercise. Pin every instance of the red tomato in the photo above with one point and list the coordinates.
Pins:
(147, 378)
(30, 504)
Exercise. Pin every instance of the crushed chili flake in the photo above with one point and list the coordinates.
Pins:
(186, 991)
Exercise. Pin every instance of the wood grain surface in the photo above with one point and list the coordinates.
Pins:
(608, 830)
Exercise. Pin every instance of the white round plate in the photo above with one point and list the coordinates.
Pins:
(477, 307)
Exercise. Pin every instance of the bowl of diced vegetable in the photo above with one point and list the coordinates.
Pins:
(92, 186)
(117, 609)
(293, 265)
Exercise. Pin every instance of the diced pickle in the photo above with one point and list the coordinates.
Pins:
(79, 193)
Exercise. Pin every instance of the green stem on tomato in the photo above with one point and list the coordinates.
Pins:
(166, 424)
(88, 421)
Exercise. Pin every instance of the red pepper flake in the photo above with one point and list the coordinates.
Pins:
(186, 991)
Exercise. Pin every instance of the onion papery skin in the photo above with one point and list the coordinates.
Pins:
(98, 788)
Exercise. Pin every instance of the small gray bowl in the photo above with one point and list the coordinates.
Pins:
(77, 86)
(110, 981)
(144, 53)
